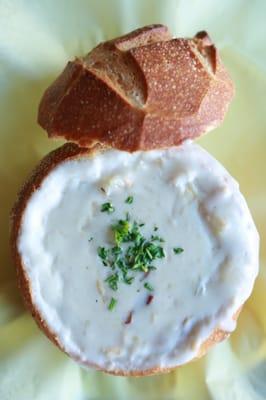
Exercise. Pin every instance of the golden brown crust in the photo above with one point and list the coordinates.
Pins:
(141, 91)
(52, 160)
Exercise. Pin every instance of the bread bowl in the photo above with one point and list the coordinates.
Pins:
(58, 226)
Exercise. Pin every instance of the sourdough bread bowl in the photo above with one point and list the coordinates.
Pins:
(133, 255)
(165, 316)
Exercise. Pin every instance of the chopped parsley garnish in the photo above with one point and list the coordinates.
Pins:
(129, 200)
(131, 253)
(148, 286)
(102, 253)
(155, 238)
(112, 304)
(116, 250)
(90, 239)
(121, 230)
(107, 207)
(112, 281)
(178, 250)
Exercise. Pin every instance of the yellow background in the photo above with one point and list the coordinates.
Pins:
(37, 37)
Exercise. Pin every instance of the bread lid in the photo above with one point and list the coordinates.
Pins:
(140, 91)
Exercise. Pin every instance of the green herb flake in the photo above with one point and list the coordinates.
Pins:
(148, 286)
(121, 231)
(112, 304)
(155, 228)
(107, 207)
(116, 250)
(129, 200)
(90, 239)
(128, 279)
(178, 250)
(112, 281)
(102, 253)
(156, 238)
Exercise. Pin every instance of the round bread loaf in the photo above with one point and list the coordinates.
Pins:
(198, 228)
(141, 91)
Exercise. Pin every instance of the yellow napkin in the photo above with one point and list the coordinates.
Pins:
(36, 39)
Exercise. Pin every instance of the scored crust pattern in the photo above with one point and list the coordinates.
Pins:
(141, 91)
